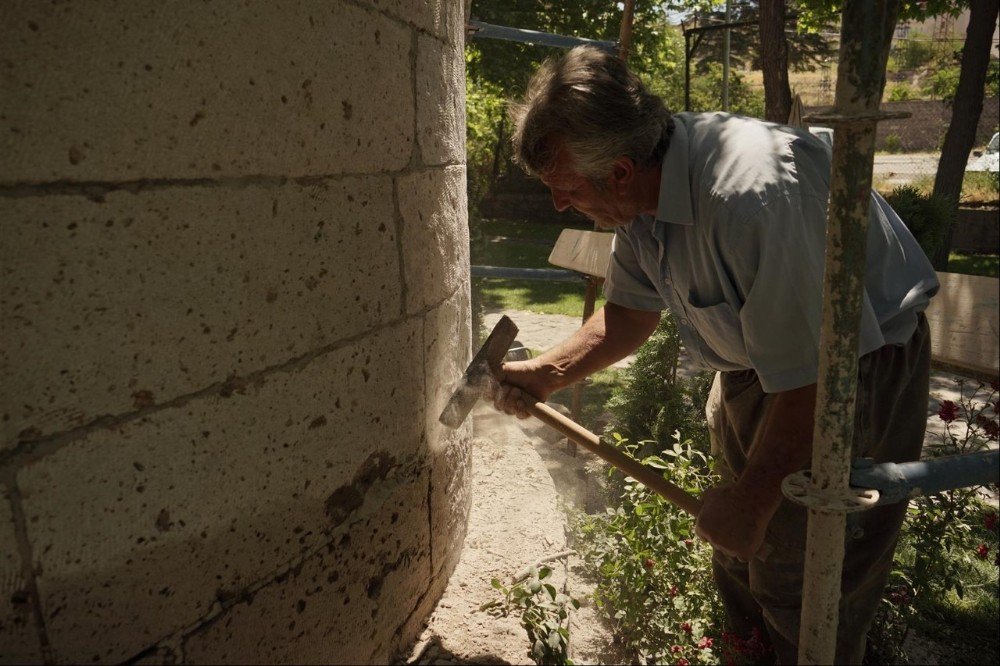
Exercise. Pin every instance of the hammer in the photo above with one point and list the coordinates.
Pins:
(486, 366)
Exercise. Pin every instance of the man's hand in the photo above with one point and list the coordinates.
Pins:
(734, 521)
(611, 334)
(520, 384)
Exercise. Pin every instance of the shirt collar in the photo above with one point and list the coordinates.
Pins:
(674, 203)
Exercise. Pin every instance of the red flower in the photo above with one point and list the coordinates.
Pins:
(948, 411)
(683, 662)
(688, 542)
(673, 591)
(983, 551)
(705, 643)
(649, 563)
(677, 648)
(990, 521)
(989, 426)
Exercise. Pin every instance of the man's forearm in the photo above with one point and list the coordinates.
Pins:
(734, 518)
(783, 446)
(611, 334)
(608, 336)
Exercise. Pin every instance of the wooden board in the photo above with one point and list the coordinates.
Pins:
(964, 319)
(587, 252)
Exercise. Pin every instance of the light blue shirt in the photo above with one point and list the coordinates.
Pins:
(736, 252)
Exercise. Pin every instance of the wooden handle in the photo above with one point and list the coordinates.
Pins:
(645, 475)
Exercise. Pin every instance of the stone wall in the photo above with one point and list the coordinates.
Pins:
(234, 293)
(924, 129)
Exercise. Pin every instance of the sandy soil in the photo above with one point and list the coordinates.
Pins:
(524, 485)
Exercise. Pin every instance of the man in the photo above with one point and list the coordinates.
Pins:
(722, 220)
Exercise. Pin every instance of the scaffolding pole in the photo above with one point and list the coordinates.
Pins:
(866, 34)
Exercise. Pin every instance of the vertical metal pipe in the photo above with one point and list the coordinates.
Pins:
(865, 37)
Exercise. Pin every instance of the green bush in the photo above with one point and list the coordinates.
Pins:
(654, 576)
(653, 402)
(942, 83)
(913, 53)
(901, 92)
(893, 143)
(926, 216)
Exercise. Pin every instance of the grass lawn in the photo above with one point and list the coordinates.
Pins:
(974, 264)
(524, 245)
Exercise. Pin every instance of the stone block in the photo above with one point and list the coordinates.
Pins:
(435, 233)
(447, 343)
(141, 530)
(135, 299)
(342, 605)
(119, 90)
(440, 102)
(444, 19)
(19, 643)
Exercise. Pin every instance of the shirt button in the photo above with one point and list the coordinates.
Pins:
(684, 321)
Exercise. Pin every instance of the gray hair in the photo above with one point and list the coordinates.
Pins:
(597, 109)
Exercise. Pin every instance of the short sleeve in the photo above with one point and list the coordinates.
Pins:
(626, 284)
(782, 311)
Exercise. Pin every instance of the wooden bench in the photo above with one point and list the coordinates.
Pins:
(964, 317)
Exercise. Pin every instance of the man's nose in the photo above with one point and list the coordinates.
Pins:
(560, 200)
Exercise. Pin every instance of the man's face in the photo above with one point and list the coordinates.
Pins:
(601, 204)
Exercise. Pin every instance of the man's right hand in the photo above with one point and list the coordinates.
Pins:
(520, 384)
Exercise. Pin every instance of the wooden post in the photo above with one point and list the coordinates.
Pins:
(589, 301)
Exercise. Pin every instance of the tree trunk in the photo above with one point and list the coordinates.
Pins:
(965, 111)
(774, 61)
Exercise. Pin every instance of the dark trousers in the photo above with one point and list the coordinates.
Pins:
(890, 419)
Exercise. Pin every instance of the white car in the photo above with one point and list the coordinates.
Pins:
(988, 160)
(824, 133)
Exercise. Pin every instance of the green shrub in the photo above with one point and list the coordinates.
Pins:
(654, 576)
(901, 92)
(653, 402)
(893, 143)
(926, 216)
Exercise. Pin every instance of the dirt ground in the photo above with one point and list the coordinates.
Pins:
(525, 485)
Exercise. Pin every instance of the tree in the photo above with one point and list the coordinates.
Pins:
(774, 61)
(967, 106)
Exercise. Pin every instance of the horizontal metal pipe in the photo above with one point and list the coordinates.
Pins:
(901, 481)
(480, 30)
(552, 274)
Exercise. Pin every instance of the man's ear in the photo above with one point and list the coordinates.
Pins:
(622, 173)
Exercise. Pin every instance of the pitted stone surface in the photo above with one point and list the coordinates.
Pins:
(441, 18)
(440, 104)
(107, 307)
(139, 530)
(341, 605)
(435, 234)
(126, 91)
(447, 353)
(19, 642)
